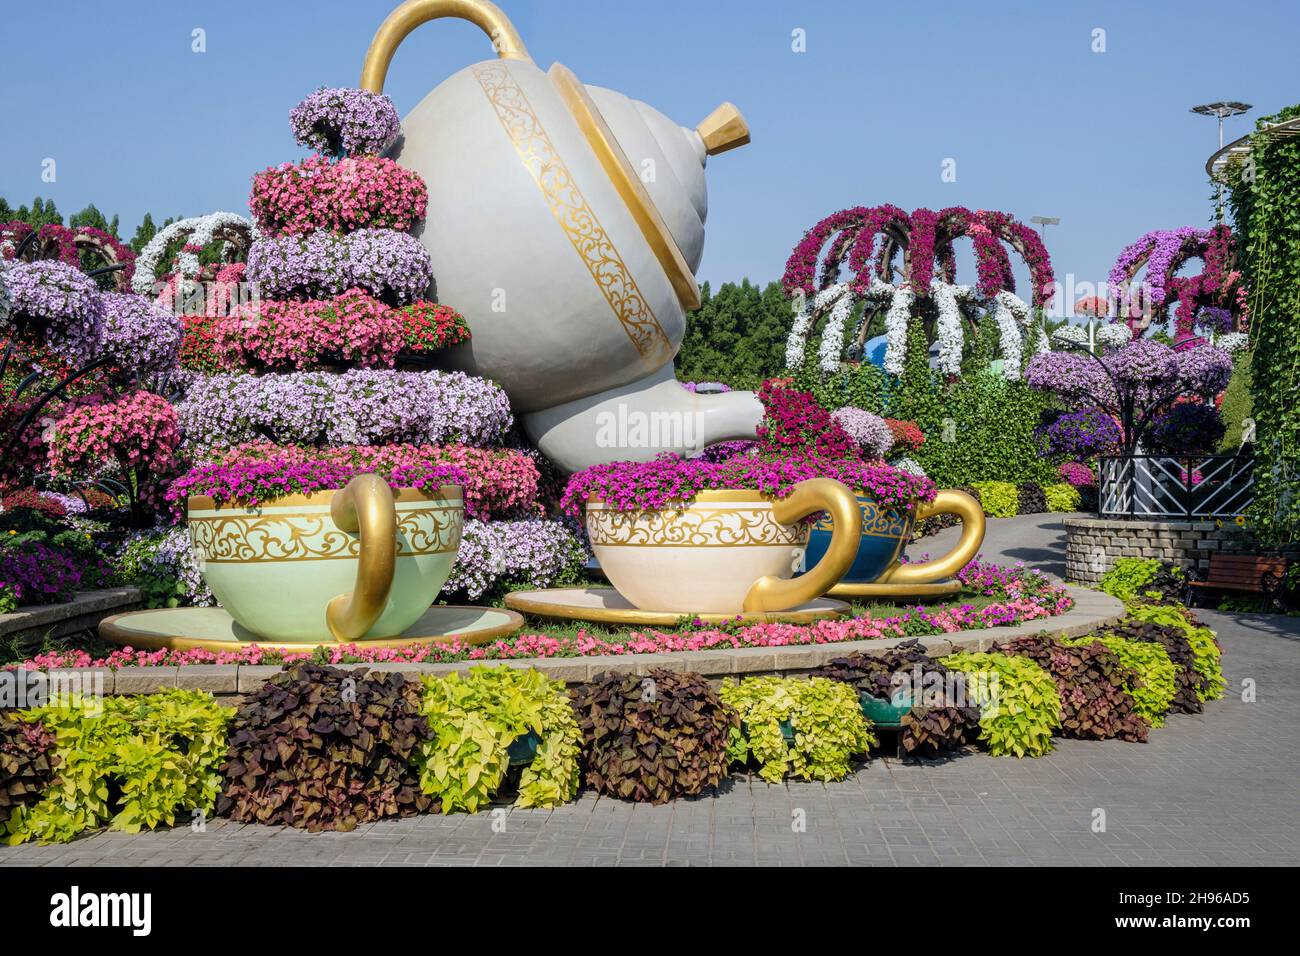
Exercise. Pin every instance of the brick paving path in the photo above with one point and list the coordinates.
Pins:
(1218, 788)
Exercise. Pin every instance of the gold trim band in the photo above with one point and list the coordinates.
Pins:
(573, 213)
(365, 508)
(398, 25)
(619, 169)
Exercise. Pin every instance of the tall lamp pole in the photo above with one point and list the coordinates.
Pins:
(1220, 110)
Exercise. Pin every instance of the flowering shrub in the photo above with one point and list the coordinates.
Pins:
(390, 265)
(161, 563)
(1077, 474)
(497, 556)
(137, 335)
(1187, 428)
(794, 423)
(428, 327)
(870, 433)
(300, 335)
(495, 482)
(363, 406)
(35, 573)
(136, 432)
(345, 122)
(1135, 384)
(55, 303)
(1082, 434)
(354, 193)
(670, 481)
(907, 436)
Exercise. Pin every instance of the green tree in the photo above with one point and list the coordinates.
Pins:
(737, 335)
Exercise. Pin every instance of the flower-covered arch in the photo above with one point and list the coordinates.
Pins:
(1215, 295)
(59, 243)
(919, 248)
(235, 231)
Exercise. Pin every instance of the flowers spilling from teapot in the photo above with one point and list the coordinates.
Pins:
(797, 440)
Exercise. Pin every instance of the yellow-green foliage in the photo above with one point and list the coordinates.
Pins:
(824, 715)
(1154, 675)
(1001, 499)
(1018, 702)
(130, 762)
(1062, 496)
(473, 720)
(1208, 654)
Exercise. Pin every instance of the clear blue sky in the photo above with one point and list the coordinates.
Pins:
(1037, 122)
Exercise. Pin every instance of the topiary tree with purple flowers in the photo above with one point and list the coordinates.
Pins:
(1136, 383)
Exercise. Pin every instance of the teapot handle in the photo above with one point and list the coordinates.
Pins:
(485, 15)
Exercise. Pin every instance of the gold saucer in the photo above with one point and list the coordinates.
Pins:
(212, 629)
(895, 591)
(607, 606)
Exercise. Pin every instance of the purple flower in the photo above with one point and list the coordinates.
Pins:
(358, 407)
(60, 300)
(137, 334)
(870, 432)
(390, 265)
(532, 553)
(348, 122)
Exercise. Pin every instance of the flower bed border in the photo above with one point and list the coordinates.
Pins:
(83, 612)
(1092, 609)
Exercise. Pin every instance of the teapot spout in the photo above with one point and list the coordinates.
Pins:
(638, 421)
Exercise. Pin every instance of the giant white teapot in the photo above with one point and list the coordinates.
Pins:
(566, 222)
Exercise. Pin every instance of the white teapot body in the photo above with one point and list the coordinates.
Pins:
(565, 223)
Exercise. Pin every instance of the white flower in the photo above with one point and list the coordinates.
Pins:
(832, 344)
(1232, 342)
(911, 466)
(1008, 308)
(951, 328)
(900, 307)
(1073, 334)
(196, 231)
(1115, 334)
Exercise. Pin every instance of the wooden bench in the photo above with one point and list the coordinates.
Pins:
(1244, 573)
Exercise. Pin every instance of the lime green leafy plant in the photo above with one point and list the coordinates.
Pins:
(1001, 499)
(1062, 496)
(824, 717)
(1205, 647)
(474, 719)
(1018, 702)
(133, 763)
(1153, 683)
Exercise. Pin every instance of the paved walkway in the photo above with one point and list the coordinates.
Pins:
(1037, 540)
(1219, 788)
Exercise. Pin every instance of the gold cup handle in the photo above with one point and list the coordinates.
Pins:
(365, 507)
(816, 494)
(946, 502)
(483, 14)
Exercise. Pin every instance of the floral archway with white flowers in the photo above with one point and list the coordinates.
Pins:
(923, 241)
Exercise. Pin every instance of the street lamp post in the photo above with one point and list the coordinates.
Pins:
(1220, 110)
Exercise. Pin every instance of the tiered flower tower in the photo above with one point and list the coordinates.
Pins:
(328, 362)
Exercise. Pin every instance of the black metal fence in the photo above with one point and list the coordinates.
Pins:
(1154, 486)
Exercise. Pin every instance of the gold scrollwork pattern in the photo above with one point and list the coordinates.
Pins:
(572, 211)
(877, 522)
(313, 537)
(693, 528)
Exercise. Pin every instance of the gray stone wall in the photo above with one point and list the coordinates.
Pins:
(1093, 544)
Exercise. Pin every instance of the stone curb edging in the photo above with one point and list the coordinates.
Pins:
(85, 610)
(1092, 609)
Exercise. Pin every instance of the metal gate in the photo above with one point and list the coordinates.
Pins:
(1152, 486)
